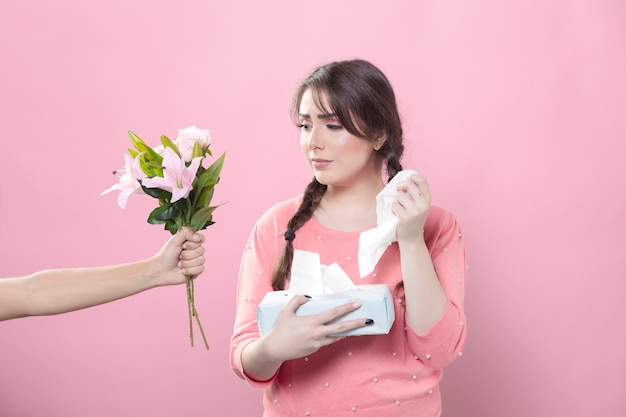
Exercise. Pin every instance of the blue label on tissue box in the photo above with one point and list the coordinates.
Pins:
(376, 300)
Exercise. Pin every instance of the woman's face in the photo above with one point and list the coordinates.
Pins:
(337, 157)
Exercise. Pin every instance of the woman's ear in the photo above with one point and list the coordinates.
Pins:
(380, 141)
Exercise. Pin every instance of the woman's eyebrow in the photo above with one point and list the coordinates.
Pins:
(319, 116)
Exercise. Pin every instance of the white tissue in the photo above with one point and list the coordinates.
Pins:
(374, 242)
(310, 277)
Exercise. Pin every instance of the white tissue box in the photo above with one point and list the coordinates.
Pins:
(376, 299)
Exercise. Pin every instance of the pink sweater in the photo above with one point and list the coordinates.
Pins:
(396, 374)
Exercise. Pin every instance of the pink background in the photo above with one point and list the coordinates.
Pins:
(515, 111)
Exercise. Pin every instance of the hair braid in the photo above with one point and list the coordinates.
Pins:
(393, 164)
(310, 201)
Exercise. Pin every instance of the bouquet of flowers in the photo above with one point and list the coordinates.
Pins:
(173, 174)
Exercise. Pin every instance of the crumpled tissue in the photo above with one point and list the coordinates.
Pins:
(373, 242)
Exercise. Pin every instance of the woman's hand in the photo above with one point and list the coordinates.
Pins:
(411, 207)
(294, 337)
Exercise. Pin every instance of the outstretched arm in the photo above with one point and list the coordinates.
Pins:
(62, 290)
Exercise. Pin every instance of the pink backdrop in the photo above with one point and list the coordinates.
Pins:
(515, 111)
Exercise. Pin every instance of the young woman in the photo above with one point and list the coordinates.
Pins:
(351, 135)
(58, 291)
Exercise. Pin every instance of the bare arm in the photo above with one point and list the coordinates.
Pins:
(62, 290)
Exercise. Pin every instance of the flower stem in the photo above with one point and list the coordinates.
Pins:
(191, 306)
(195, 313)
(188, 284)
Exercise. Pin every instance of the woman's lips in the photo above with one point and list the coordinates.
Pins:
(319, 163)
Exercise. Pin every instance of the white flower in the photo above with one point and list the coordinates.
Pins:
(188, 137)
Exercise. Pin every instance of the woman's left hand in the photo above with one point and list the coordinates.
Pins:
(411, 207)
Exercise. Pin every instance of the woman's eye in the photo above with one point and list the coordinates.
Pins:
(304, 126)
(334, 127)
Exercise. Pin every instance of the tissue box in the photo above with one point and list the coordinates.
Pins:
(376, 299)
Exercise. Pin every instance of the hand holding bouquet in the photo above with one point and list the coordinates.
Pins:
(173, 174)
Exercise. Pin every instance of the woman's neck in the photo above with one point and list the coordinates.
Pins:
(350, 209)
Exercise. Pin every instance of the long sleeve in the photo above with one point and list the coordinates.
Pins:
(446, 338)
(255, 274)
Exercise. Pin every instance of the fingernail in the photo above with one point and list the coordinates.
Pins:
(307, 296)
(369, 322)
(356, 304)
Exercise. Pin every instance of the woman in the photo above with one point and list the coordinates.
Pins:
(63, 290)
(350, 134)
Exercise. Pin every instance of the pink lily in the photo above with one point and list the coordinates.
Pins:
(129, 180)
(177, 177)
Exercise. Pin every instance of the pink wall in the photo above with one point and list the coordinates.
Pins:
(514, 111)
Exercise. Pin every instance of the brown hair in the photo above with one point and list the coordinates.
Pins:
(362, 98)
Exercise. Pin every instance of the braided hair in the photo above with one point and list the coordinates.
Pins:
(362, 98)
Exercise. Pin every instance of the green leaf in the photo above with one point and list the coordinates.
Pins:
(211, 175)
(133, 153)
(206, 179)
(157, 193)
(205, 197)
(216, 167)
(167, 212)
(202, 218)
(169, 144)
(171, 226)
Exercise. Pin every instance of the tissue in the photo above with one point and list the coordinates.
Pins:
(310, 277)
(374, 242)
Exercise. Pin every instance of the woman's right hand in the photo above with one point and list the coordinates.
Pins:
(294, 336)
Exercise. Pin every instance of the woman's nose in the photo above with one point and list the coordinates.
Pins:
(316, 140)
